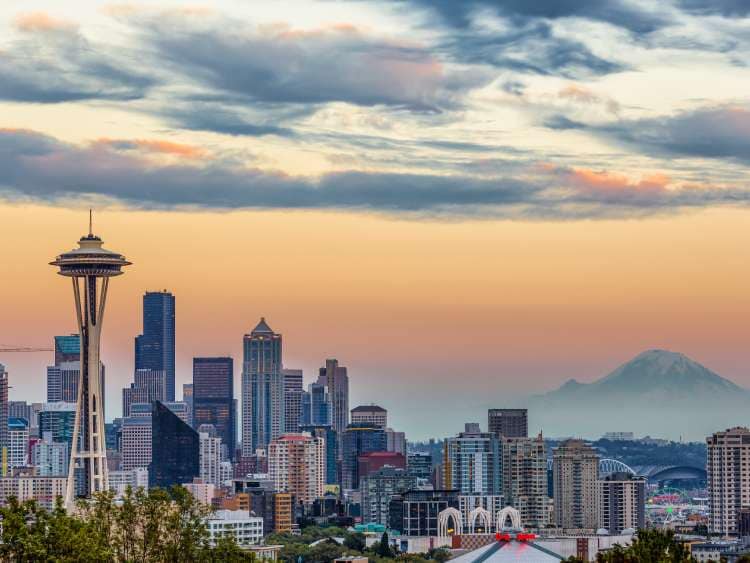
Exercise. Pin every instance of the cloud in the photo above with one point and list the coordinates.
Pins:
(157, 146)
(51, 61)
(38, 167)
(713, 132)
(727, 8)
(531, 47)
(281, 65)
(621, 13)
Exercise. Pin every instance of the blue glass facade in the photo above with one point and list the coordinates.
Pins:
(175, 449)
(359, 439)
(213, 398)
(328, 434)
(155, 348)
(316, 407)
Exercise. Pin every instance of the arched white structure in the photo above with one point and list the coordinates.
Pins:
(483, 516)
(502, 517)
(608, 466)
(444, 517)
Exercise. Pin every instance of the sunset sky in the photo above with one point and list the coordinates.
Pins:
(463, 202)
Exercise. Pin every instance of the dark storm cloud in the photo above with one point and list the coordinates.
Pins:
(620, 13)
(38, 167)
(57, 64)
(721, 132)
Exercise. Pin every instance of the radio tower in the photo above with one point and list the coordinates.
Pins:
(90, 266)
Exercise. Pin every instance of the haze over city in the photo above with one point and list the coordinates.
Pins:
(464, 203)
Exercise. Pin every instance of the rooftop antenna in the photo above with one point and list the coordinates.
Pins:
(91, 221)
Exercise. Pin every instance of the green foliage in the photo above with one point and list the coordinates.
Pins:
(146, 526)
(355, 541)
(651, 546)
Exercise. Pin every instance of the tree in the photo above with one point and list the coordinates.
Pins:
(650, 546)
(383, 548)
(355, 541)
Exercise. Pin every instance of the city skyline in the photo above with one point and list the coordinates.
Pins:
(362, 389)
(551, 216)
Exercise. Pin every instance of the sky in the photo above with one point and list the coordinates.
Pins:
(463, 202)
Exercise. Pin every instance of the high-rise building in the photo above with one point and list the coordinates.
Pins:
(293, 393)
(415, 512)
(187, 398)
(525, 479)
(136, 442)
(621, 502)
(378, 489)
(473, 462)
(316, 408)
(20, 409)
(18, 442)
(58, 420)
(63, 376)
(728, 472)
(508, 423)
(155, 348)
(336, 381)
(373, 461)
(296, 463)
(575, 470)
(262, 388)
(4, 436)
(213, 399)
(358, 439)
(175, 449)
(209, 455)
(67, 349)
(90, 266)
(49, 457)
(395, 441)
(148, 385)
(371, 414)
(419, 464)
(44, 490)
(330, 445)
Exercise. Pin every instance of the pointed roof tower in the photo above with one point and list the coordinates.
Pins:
(262, 327)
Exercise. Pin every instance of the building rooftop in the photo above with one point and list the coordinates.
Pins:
(262, 327)
(502, 551)
(369, 408)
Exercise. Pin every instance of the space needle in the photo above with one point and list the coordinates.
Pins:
(89, 266)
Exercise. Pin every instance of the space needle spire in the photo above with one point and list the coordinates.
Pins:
(89, 266)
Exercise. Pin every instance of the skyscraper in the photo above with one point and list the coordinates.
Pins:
(187, 398)
(337, 382)
(175, 449)
(62, 378)
(209, 455)
(262, 388)
(473, 462)
(90, 266)
(316, 406)
(293, 395)
(297, 465)
(149, 385)
(155, 348)
(728, 472)
(370, 413)
(575, 469)
(378, 489)
(508, 423)
(4, 436)
(358, 439)
(213, 398)
(525, 479)
(621, 502)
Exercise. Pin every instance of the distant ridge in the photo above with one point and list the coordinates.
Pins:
(659, 392)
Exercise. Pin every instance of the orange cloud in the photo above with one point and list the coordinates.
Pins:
(610, 181)
(181, 150)
(42, 21)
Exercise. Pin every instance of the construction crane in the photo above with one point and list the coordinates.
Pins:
(24, 349)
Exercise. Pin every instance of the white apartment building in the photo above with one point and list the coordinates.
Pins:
(246, 529)
(44, 490)
(210, 459)
(136, 478)
(728, 469)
